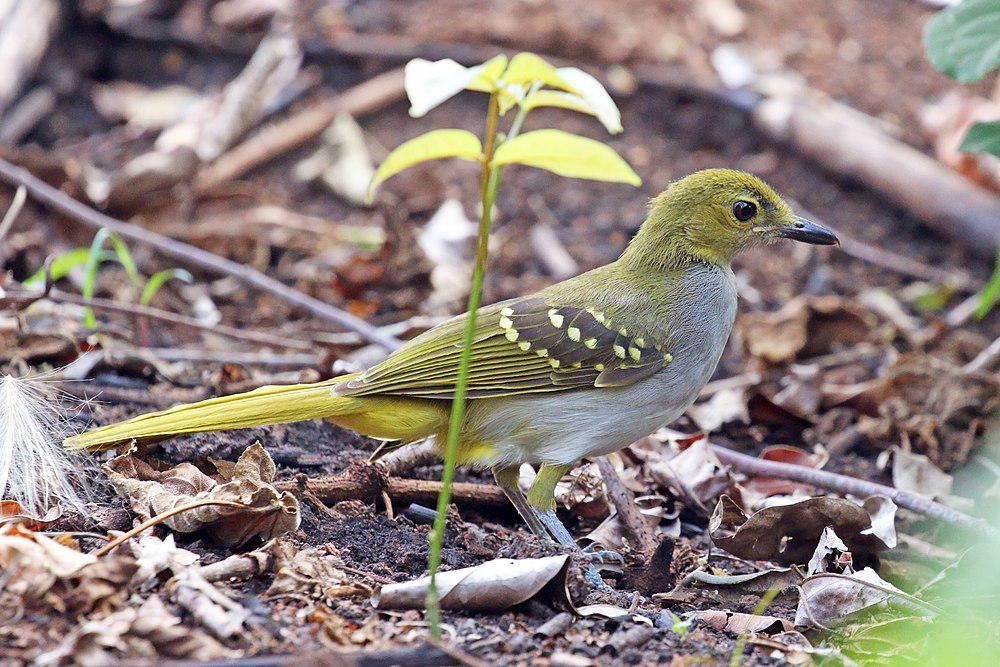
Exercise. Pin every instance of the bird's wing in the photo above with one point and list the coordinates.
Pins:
(521, 346)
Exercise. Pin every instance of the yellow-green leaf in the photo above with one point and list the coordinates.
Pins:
(488, 74)
(594, 96)
(567, 155)
(528, 68)
(547, 97)
(434, 145)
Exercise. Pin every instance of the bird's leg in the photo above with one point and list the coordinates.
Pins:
(541, 502)
(507, 479)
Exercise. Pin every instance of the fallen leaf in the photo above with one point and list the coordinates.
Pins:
(772, 486)
(695, 475)
(728, 405)
(831, 554)
(806, 326)
(916, 473)
(13, 513)
(315, 573)
(730, 588)
(343, 162)
(828, 599)
(213, 609)
(145, 633)
(738, 623)
(153, 556)
(788, 534)
(151, 492)
(492, 586)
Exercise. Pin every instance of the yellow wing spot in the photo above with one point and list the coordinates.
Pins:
(634, 352)
(506, 323)
(574, 334)
(590, 343)
(599, 316)
(556, 318)
(598, 367)
(525, 345)
(623, 331)
(542, 352)
(640, 341)
(578, 364)
(507, 311)
(554, 363)
(511, 335)
(619, 351)
(668, 357)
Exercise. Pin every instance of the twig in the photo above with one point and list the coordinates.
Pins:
(735, 382)
(279, 138)
(905, 265)
(189, 254)
(407, 458)
(984, 358)
(624, 501)
(160, 518)
(24, 116)
(855, 487)
(14, 210)
(244, 358)
(271, 340)
(363, 483)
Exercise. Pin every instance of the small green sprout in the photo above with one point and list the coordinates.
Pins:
(90, 260)
(524, 82)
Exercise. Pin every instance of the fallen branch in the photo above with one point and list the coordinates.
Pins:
(855, 487)
(843, 141)
(904, 265)
(189, 254)
(362, 482)
(271, 340)
(635, 524)
(284, 136)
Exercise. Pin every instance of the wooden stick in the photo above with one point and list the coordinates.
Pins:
(279, 138)
(845, 142)
(189, 254)
(357, 483)
(623, 499)
(855, 487)
(271, 340)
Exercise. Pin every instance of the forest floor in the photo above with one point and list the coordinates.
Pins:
(849, 360)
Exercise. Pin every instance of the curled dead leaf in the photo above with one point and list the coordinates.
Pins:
(788, 534)
(738, 623)
(493, 586)
(264, 511)
(829, 599)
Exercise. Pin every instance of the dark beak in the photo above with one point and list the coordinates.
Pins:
(808, 232)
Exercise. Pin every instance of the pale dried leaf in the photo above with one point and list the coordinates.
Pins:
(828, 600)
(316, 573)
(493, 586)
(738, 623)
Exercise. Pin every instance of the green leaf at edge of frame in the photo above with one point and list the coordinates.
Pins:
(434, 145)
(962, 41)
(990, 295)
(982, 138)
(567, 155)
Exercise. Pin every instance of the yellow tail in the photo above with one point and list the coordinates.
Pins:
(383, 417)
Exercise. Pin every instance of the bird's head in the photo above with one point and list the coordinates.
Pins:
(713, 214)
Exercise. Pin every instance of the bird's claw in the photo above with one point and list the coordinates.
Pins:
(604, 559)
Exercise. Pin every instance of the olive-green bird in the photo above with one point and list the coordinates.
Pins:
(582, 368)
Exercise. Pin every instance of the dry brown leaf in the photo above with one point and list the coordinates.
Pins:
(788, 534)
(151, 492)
(772, 486)
(695, 474)
(153, 556)
(148, 633)
(806, 326)
(828, 599)
(728, 405)
(493, 586)
(216, 612)
(738, 623)
(316, 573)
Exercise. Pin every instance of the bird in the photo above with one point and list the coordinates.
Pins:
(579, 369)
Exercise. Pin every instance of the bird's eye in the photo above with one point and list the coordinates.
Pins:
(744, 210)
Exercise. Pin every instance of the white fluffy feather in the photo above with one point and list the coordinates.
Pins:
(34, 469)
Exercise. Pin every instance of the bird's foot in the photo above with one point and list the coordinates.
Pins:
(598, 561)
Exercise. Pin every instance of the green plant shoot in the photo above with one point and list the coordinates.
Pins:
(525, 82)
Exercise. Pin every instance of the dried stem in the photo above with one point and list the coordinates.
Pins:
(632, 519)
(160, 518)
